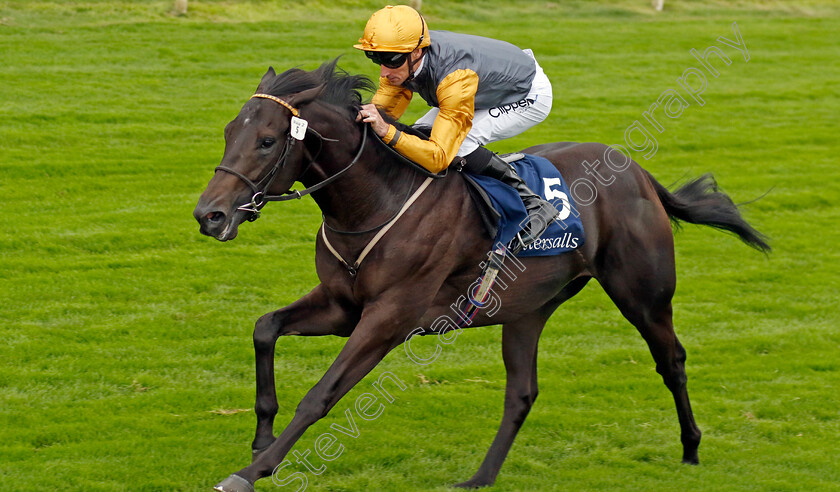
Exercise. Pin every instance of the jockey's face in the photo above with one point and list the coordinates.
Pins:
(397, 76)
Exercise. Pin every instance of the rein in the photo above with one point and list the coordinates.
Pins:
(354, 268)
(261, 197)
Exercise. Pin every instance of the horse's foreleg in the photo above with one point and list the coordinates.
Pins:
(313, 315)
(376, 334)
(519, 350)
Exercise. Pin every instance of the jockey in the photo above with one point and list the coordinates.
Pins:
(481, 90)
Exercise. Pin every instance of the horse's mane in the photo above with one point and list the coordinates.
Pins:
(341, 89)
(344, 91)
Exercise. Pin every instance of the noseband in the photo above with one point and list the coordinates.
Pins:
(260, 188)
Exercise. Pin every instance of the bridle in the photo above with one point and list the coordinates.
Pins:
(298, 129)
(260, 188)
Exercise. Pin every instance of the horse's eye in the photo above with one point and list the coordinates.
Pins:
(267, 142)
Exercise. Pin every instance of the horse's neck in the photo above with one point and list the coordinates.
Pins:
(369, 193)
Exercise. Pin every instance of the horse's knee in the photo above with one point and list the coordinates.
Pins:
(309, 413)
(266, 406)
(313, 407)
(266, 331)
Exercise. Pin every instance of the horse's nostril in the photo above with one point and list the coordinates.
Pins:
(215, 217)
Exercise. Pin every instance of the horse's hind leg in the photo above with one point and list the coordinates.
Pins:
(642, 287)
(669, 356)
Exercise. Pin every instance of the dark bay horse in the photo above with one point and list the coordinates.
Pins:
(432, 254)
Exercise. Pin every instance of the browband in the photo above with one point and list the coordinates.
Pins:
(278, 101)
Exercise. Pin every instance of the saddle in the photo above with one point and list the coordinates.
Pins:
(502, 211)
(488, 213)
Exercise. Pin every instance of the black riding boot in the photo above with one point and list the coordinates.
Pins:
(486, 163)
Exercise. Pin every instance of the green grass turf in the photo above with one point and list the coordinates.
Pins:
(126, 350)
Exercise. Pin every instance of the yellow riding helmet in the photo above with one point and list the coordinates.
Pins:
(399, 29)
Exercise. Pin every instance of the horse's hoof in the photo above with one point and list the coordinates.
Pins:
(692, 460)
(472, 484)
(234, 483)
(690, 456)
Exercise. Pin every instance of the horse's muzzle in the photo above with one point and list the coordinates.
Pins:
(214, 223)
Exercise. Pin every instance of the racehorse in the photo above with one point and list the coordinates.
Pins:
(432, 253)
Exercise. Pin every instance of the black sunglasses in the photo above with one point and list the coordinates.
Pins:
(387, 59)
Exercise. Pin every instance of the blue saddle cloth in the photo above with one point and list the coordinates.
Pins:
(543, 178)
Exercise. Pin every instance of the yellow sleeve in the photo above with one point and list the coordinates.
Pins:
(456, 101)
(393, 99)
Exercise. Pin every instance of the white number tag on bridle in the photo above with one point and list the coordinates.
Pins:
(298, 128)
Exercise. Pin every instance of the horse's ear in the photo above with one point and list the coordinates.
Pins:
(269, 75)
(306, 96)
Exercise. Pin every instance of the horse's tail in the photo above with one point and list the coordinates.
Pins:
(701, 202)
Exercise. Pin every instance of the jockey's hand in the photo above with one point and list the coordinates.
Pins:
(369, 114)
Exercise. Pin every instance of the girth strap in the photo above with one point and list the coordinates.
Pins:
(354, 268)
